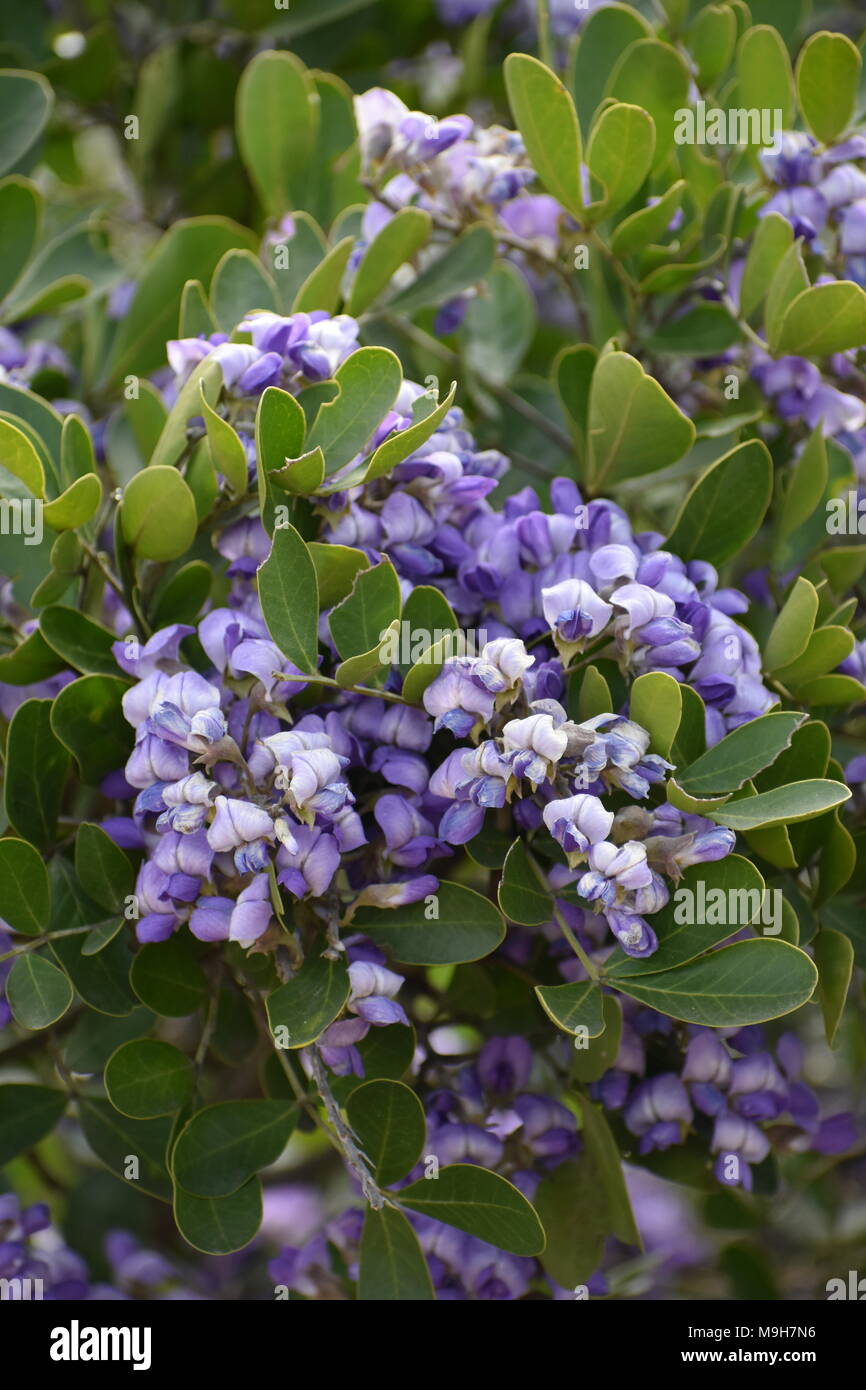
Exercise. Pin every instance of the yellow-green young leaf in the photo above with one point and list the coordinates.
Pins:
(824, 319)
(545, 116)
(321, 289)
(76, 505)
(336, 567)
(826, 649)
(158, 516)
(648, 224)
(765, 80)
(397, 242)
(359, 669)
(276, 118)
(653, 75)
(619, 155)
(806, 484)
(773, 237)
(19, 457)
(227, 452)
(594, 696)
(790, 633)
(656, 703)
(634, 426)
(828, 70)
(711, 42)
(789, 281)
(77, 458)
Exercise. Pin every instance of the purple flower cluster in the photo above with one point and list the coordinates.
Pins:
(741, 1095)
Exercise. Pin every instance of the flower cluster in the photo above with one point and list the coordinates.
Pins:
(737, 1093)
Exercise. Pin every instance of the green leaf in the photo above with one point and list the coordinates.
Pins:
(634, 427)
(359, 622)
(240, 285)
(712, 38)
(167, 977)
(20, 211)
(82, 643)
(794, 802)
(336, 567)
(773, 239)
(158, 515)
(21, 459)
(25, 893)
(321, 289)
(226, 450)
(600, 1053)
(787, 284)
(790, 633)
(824, 319)
(703, 331)
(522, 894)
(280, 431)
(104, 871)
(31, 661)
(499, 325)
(219, 1225)
(36, 768)
(828, 71)
(595, 697)
(604, 35)
(392, 1266)
(181, 598)
(189, 250)
(834, 957)
(147, 1078)
(832, 690)
(574, 1007)
(289, 597)
(619, 155)
(653, 75)
(224, 1145)
(77, 505)
(726, 505)
(748, 982)
(745, 751)
(427, 616)
(722, 898)
(77, 457)
(87, 717)
(116, 1139)
(300, 1010)
(95, 1036)
(467, 927)
(464, 264)
(397, 242)
(827, 648)
(602, 1150)
(764, 73)
(576, 1220)
(400, 445)
(195, 319)
(173, 441)
(27, 1114)
(37, 991)
(25, 102)
(545, 116)
(101, 936)
(388, 1120)
(648, 224)
(480, 1202)
(806, 485)
(369, 381)
(366, 666)
(276, 119)
(656, 703)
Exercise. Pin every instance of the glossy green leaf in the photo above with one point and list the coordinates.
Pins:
(480, 1202)
(20, 458)
(392, 1266)
(574, 1007)
(219, 1225)
(224, 1145)
(653, 75)
(459, 925)
(322, 288)
(773, 238)
(147, 1078)
(748, 982)
(648, 224)
(227, 452)
(25, 893)
(300, 1010)
(765, 80)
(77, 505)
(824, 319)
(239, 286)
(388, 1120)
(38, 992)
